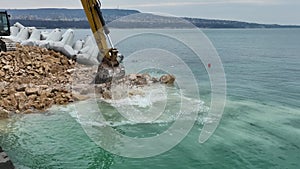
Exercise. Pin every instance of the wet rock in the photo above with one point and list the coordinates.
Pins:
(154, 80)
(21, 99)
(132, 77)
(28, 111)
(79, 97)
(3, 113)
(107, 95)
(147, 77)
(167, 79)
(140, 81)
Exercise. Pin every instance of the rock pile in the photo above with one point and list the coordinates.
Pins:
(33, 78)
(128, 83)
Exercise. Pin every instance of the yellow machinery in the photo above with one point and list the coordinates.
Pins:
(111, 57)
(110, 67)
(101, 32)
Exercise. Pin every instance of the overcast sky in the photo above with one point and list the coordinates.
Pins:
(262, 11)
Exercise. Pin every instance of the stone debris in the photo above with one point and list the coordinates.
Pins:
(167, 79)
(32, 79)
(130, 83)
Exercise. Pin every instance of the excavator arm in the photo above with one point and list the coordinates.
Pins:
(110, 67)
(101, 32)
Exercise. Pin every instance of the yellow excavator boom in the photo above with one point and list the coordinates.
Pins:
(100, 31)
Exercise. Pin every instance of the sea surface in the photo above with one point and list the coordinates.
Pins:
(260, 127)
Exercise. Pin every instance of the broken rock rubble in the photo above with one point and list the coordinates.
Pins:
(32, 79)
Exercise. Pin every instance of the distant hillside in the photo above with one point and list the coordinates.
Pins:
(213, 23)
(61, 18)
(75, 18)
(64, 14)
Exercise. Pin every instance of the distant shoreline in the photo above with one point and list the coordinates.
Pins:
(50, 18)
(85, 25)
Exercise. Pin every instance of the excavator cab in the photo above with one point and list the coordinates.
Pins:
(5, 43)
(4, 24)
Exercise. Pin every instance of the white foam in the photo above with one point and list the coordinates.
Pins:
(151, 97)
(145, 97)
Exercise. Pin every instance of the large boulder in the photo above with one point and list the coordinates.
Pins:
(167, 79)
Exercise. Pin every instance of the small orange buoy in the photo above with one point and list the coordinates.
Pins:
(209, 65)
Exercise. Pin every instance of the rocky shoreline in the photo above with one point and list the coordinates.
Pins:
(32, 79)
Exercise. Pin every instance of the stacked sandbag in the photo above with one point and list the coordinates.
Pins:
(89, 53)
(33, 39)
(84, 51)
(78, 45)
(65, 44)
(14, 31)
(22, 35)
(54, 36)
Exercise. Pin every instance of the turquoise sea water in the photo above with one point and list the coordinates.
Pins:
(260, 127)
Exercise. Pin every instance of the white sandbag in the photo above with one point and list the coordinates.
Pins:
(88, 46)
(78, 45)
(86, 60)
(56, 46)
(64, 49)
(85, 50)
(14, 31)
(68, 51)
(55, 35)
(33, 39)
(35, 35)
(89, 41)
(90, 49)
(28, 43)
(68, 37)
(44, 35)
(31, 29)
(43, 44)
(22, 35)
(20, 26)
